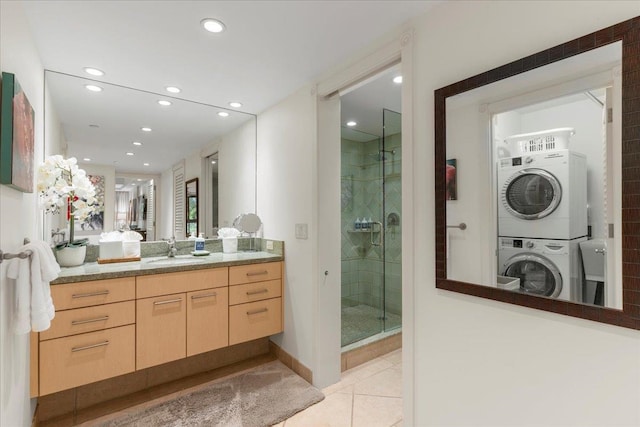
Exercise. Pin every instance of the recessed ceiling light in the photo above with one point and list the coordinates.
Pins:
(86, 159)
(164, 103)
(93, 71)
(397, 79)
(212, 25)
(351, 123)
(223, 114)
(213, 162)
(173, 89)
(235, 104)
(145, 164)
(137, 143)
(145, 129)
(129, 153)
(139, 179)
(93, 88)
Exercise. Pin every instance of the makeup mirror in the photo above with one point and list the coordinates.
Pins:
(534, 179)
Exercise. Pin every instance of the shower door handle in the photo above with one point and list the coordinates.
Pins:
(380, 235)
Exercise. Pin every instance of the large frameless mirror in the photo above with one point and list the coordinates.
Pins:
(132, 139)
(534, 179)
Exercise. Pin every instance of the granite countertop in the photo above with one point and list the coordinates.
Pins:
(162, 264)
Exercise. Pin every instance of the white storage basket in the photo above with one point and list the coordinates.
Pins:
(536, 142)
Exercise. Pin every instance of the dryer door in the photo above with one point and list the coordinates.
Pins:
(531, 194)
(538, 275)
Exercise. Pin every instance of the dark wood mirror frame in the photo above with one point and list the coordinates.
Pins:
(629, 33)
(188, 191)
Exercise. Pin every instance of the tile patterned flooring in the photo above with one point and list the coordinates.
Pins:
(369, 395)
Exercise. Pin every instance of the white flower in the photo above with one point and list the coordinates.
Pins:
(60, 181)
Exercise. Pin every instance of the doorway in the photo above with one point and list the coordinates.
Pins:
(371, 202)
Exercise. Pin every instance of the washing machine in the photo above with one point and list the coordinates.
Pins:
(551, 268)
(543, 195)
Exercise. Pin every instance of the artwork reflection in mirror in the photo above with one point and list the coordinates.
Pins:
(192, 207)
(542, 181)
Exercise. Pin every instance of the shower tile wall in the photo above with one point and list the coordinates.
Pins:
(362, 264)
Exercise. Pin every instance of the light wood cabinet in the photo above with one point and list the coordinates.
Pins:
(207, 320)
(81, 359)
(255, 299)
(161, 332)
(254, 320)
(105, 328)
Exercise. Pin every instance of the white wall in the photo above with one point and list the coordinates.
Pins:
(286, 157)
(485, 363)
(19, 216)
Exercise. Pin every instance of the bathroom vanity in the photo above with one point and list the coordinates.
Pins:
(115, 319)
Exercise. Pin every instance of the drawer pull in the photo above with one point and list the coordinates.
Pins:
(257, 273)
(260, 310)
(259, 291)
(82, 322)
(169, 301)
(212, 294)
(87, 347)
(91, 294)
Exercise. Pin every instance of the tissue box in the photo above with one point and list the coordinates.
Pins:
(110, 250)
(131, 248)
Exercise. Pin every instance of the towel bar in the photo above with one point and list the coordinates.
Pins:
(22, 255)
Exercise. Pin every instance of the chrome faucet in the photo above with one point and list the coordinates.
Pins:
(172, 247)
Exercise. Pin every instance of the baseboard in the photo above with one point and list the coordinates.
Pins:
(291, 362)
(360, 355)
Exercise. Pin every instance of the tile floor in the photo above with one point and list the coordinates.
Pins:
(369, 395)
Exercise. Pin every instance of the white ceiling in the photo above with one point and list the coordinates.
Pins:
(269, 50)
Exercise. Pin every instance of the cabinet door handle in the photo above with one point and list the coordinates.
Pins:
(90, 294)
(87, 347)
(169, 301)
(260, 310)
(82, 322)
(212, 294)
(259, 291)
(257, 273)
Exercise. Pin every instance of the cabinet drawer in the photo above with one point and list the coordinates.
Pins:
(88, 319)
(183, 281)
(254, 320)
(161, 330)
(255, 273)
(251, 292)
(82, 359)
(94, 292)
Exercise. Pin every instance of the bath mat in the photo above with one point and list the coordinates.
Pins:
(262, 396)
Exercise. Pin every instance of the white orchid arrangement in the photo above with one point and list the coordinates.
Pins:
(63, 186)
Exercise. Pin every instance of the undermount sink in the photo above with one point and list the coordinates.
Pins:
(186, 259)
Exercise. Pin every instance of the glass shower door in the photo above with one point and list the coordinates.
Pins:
(391, 219)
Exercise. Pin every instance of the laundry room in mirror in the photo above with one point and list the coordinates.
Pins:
(539, 144)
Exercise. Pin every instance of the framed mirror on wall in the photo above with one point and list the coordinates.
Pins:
(546, 152)
(191, 191)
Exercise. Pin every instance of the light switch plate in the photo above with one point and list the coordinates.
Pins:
(269, 245)
(302, 231)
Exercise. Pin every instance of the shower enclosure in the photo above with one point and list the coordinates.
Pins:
(371, 247)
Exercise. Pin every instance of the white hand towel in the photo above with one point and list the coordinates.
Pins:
(34, 308)
(18, 269)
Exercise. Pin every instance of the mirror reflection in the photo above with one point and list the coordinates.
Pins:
(147, 146)
(534, 173)
(192, 207)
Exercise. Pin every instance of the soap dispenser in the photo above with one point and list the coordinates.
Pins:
(358, 224)
(199, 243)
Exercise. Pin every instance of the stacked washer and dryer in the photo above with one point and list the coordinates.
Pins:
(542, 214)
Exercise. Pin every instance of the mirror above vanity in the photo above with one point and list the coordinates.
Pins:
(137, 139)
(536, 195)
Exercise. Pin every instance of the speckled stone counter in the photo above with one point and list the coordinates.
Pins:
(163, 264)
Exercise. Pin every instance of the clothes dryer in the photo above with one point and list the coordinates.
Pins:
(551, 268)
(543, 195)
